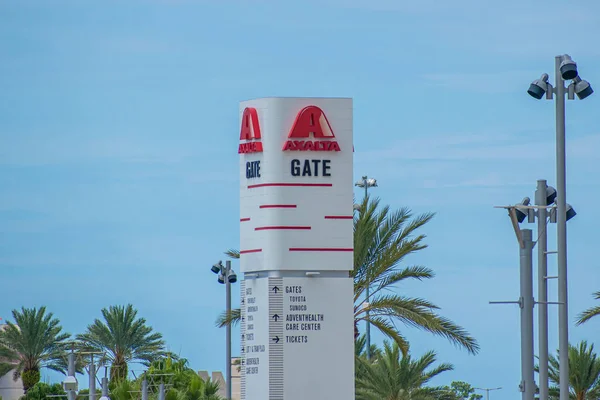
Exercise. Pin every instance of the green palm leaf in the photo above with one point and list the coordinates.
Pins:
(590, 312)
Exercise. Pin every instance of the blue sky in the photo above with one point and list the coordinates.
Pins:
(118, 162)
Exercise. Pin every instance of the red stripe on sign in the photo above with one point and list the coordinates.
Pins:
(263, 228)
(244, 219)
(250, 251)
(278, 206)
(319, 249)
(339, 217)
(290, 185)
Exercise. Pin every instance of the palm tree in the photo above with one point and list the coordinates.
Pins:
(394, 376)
(590, 312)
(34, 341)
(382, 240)
(124, 338)
(584, 373)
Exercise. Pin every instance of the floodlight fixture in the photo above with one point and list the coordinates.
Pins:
(539, 87)
(366, 182)
(550, 195)
(218, 267)
(568, 67)
(522, 214)
(570, 212)
(221, 279)
(582, 88)
(232, 277)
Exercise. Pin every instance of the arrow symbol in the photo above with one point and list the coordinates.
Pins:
(243, 318)
(275, 289)
(242, 301)
(276, 339)
(276, 317)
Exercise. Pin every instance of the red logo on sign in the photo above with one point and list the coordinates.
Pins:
(250, 130)
(309, 120)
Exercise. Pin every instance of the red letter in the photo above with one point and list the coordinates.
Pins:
(311, 119)
(250, 127)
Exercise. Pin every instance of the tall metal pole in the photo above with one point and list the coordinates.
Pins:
(161, 391)
(71, 371)
(228, 331)
(561, 225)
(526, 304)
(542, 245)
(145, 389)
(104, 386)
(368, 333)
(92, 380)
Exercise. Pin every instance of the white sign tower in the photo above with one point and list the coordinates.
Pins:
(296, 250)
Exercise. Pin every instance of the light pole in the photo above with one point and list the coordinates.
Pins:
(487, 391)
(104, 385)
(564, 69)
(544, 199)
(366, 183)
(525, 302)
(226, 276)
(70, 384)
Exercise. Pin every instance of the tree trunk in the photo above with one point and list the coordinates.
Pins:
(118, 372)
(30, 377)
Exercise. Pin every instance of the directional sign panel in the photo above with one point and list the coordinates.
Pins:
(318, 326)
(255, 338)
(310, 350)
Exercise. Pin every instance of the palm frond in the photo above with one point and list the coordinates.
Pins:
(390, 331)
(590, 312)
(232, 319)
(232, 253)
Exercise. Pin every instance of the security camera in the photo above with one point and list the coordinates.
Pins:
(538, 87)
(568, 68)
(70, 383)
(582, 88)
(221, 278)
(232, 278)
